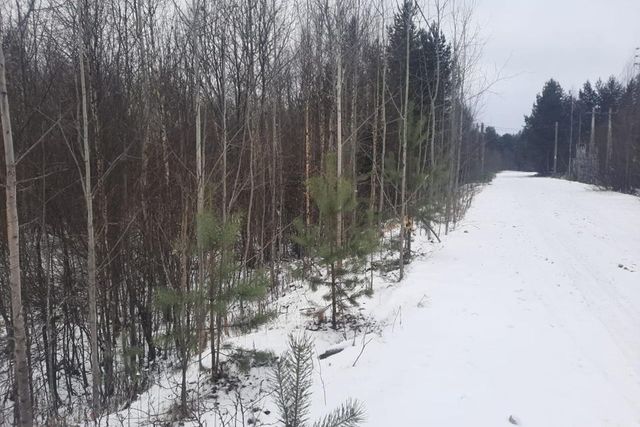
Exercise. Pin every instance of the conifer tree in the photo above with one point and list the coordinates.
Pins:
(227, 287)
(338, 267)
(422, 207)
(550, 107)
(226, 290)
(292, 380)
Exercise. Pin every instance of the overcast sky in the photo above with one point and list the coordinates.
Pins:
(531, 41)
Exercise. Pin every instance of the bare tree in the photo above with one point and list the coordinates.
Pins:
(21, 369)
(405, 118)
(91, 242)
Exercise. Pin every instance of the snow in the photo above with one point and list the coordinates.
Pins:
(528, 312)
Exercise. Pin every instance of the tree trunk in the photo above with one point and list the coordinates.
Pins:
(482, 152)
(21, 368)
(307, 165)
(215, 318)
(339, 142)
(383, 136)
(403, 188)
(334, 303)
(374, 145)
(274, 207)
(354, 136)
(91, 244)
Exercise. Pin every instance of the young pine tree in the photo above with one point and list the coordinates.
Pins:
(229, 286)
(425, 204)
(225, 289)
(340, 267)
(292, 378)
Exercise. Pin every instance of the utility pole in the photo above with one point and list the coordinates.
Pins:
(592, 136)
(555, 151)
(482, 148)
(571, 138)
(609, 143)
(592, 156)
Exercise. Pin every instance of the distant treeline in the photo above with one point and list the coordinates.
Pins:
(598, 135)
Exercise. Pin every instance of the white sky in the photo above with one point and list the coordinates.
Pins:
(531, 41)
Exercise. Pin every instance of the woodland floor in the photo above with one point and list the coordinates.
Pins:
(527, 313)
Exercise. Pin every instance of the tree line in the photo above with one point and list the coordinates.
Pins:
(592, 136)
(166, 164)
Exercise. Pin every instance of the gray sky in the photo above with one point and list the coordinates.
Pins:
(531, 41)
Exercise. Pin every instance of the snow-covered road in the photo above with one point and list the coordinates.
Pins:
(529, 310)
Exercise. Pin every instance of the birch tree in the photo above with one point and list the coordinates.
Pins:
(91, 243)
(405, 117)
(21, 367)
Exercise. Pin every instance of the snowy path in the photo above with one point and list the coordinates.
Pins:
(532, 310)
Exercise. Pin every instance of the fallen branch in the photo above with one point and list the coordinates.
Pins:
(364, 345)
(330, 353)
(433, 231)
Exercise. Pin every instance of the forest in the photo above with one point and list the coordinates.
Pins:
(592, 136)
(169, 169)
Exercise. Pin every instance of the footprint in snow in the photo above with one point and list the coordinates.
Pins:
(624, 267)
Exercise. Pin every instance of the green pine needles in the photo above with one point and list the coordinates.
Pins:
(339, 266)
(227, 283)
(226, 293)
(292, 379)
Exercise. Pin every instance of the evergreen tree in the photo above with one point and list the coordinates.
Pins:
(434, 56)
(609, 95)
(588, 96)
(180, 304)
(423, 207)
(587, 101)
(504, 152)
(292, 380)
(227, 286)
(339, 268)
(550, 107)
(225, 289)
(403, 22)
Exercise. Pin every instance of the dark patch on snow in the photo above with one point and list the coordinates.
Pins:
(624, 267)
(330, 353)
